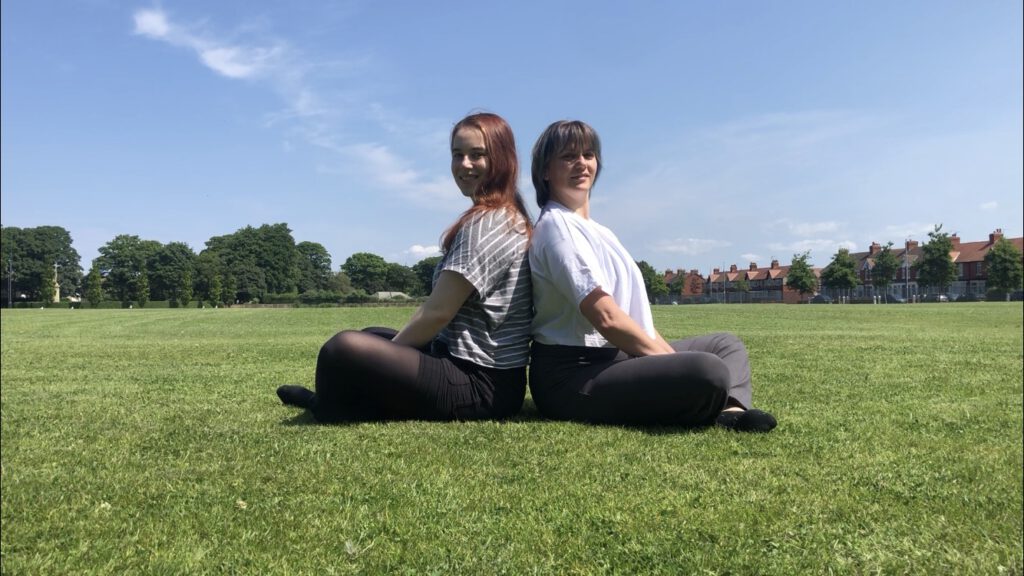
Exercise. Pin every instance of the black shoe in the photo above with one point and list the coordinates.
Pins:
(752, 420)
(296, 396)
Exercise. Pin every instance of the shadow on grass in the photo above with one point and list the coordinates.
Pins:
(528, 413)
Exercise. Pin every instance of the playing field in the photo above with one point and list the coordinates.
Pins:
(151, 442)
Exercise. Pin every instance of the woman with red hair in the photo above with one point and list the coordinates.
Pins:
(463, 354)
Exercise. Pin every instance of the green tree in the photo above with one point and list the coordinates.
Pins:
(841, 273)
(654, 282)
(215, 290)
(121, 261)
(1003, 264)
(314, 266)
(185, 289)
(166, 268)
(94, 287)
(31, 253)
(47, 287)
(741, 286)
(367, 271)
(424, 270)
(403, 279)
(883, 274)
(935, 268)
(140, 289)
(801, 276)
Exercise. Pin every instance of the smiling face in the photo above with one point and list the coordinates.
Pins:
(570, 175)
(470, 164)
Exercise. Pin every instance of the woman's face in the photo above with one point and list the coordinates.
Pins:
(470, 164)
(570, 175)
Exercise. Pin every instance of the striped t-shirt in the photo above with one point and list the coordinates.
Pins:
(492, 328)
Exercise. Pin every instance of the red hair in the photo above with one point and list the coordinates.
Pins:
(499, 189)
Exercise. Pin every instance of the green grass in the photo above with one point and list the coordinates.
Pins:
(151, 442)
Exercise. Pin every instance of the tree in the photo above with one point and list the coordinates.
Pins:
(167, 267)
(47, 286)
(742, 286)
(140, 289)
(1003, 263)
(121, 261)
(367, 271)
(185, 289)
(314, 266)
(424, 270)
(31, 254)
(841, 273)
(801, 277)
(935, 268)
(402, 279)
(884, 272)
(654, 282)
(216, 288)
(94, 287)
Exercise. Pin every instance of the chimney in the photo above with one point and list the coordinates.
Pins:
(753, 266)
(956, 241)
(732, 268)
(874, 249)
(694, 272)
(717, 271)
(775, 264)
(995, 236)
(911, 244)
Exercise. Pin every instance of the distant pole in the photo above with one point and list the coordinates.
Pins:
(906, 268)
(10, 273)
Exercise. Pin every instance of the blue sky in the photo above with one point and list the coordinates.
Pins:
(733, 131)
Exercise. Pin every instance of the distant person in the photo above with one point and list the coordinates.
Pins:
(463, 354)
(596, 355)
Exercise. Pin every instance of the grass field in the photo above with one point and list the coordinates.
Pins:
(151, 442)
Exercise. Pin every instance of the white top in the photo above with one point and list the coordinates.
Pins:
(570, 257)
(492, 328)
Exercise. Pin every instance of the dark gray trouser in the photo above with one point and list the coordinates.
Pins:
(604, 385)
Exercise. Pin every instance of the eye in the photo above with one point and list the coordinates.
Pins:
(589, 155)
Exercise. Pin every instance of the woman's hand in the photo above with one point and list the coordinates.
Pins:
(619, 328)
(450, 291)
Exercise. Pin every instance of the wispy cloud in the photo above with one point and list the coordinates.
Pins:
(308, 114)
(233, 60)
(819, 248)
(689, 246)
(421, 252)
(989, 206)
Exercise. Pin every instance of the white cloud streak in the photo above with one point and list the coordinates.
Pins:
(307, 115)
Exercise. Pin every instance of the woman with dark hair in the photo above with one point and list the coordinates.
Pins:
(463, 354)
(596, 356)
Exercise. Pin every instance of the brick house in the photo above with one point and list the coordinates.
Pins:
(969, 258)
(766, 284)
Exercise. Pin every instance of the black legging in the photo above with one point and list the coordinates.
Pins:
(605, 385)
(362, 375)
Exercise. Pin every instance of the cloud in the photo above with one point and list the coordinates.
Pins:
(818, 247)
(233, 60)
(307, 115)
(380, 165)
(152, 23)
(421, 252)
(690, 246)
(989, 206)
(751, 257)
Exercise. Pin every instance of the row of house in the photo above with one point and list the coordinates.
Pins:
(768, 284)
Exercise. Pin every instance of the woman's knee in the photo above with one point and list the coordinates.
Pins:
(344, 344)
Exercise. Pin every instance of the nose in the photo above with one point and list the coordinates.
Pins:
(466, 162)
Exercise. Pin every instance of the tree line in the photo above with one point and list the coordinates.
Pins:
(262, 264)
(265, 264)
